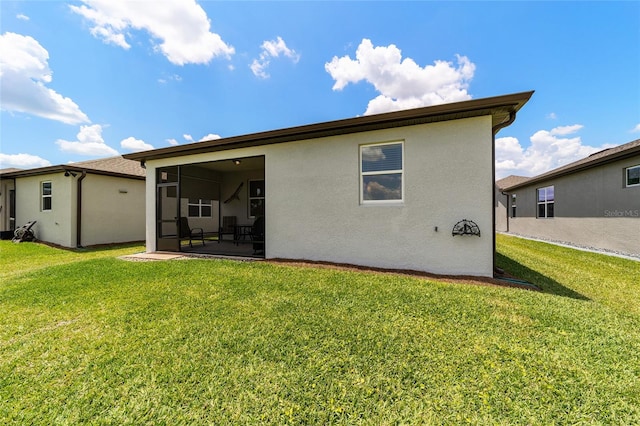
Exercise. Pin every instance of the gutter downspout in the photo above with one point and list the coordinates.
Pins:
(79, 210)
(496, 129)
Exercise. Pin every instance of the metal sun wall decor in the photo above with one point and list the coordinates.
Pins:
(465, 227)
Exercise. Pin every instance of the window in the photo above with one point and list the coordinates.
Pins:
(256, 198)
(46, 196)
(381, 169)
(199, 207)
(513, 205)
(633, 176)
(545, 201)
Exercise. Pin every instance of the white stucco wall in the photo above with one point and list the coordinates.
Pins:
(447, 178)
(112, 210)
(313, 210)
(55, 225)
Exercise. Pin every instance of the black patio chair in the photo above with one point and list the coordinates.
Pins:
(257, 235)
(192, 233)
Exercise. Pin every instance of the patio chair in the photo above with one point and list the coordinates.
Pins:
(192, 233)
(228, 227)
(257, 235)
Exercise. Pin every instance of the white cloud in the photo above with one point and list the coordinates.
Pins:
(209, 137)
(565, 130)
(188, 137)
(401, 82)
(22, 161)
(133, 144)
(24, 73)
(181, 27)
(90, 143)
(636, 129)
(552, 116)
(22, 17)
(272, 49)
(548, 150)
(172, 142)
(174, 77)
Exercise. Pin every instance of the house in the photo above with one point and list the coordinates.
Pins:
(76, 204)
(593, 202)
(503, 202)
(389, 190)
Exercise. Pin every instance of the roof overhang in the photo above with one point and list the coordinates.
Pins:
(563, 171)
(66, 168)
(500, 108)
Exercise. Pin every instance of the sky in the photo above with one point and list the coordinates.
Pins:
(81, 80)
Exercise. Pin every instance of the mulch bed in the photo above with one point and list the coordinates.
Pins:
(503, 280)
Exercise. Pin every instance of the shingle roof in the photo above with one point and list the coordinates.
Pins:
(8, 170)
(112, 166)
(601, 157)
(510, 181)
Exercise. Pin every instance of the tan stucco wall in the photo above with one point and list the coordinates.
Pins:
(56, 225)
(313, 209)
(112, 210)
(108, 216)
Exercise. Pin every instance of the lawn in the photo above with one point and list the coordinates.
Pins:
(95, 339)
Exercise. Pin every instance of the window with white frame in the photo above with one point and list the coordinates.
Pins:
(546, 201)
(633, 175)
(46, 196)
(199, 207)
(381, 172)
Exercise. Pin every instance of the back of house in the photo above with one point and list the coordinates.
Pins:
(382, 191)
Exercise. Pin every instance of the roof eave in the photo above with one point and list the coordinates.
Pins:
(578, 168)
(499, 107)
(60, 169)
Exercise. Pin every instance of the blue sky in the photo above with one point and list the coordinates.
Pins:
(90, 79)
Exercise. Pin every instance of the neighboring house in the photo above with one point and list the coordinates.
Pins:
(593, 202)
(381, 190)
(76, 204)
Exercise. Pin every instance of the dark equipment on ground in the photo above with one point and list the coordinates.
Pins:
(24, 233)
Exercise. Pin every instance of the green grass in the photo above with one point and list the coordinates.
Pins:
(608, 280)
(16, 259)
(99, 340)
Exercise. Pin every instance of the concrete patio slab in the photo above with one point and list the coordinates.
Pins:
(158, 255)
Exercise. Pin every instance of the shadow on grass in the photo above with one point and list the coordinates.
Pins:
(546, 284)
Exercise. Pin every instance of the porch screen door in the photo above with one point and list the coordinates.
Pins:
(167, 209)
